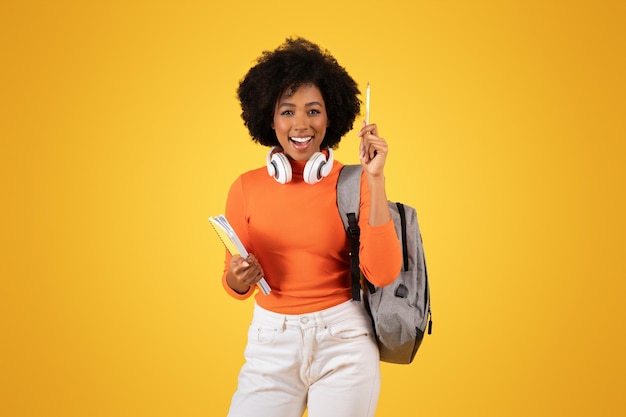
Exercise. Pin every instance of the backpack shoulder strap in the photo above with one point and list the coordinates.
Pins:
(349, 192)
(348, 201)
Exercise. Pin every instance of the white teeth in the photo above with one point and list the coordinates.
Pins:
(301, 140)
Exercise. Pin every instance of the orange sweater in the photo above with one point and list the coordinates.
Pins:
(296, 233)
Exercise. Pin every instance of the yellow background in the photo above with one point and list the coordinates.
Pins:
(120, 134)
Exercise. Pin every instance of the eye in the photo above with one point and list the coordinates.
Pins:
(314, 112)
(287, 113)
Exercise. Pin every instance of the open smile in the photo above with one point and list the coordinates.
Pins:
(300, 143)
(301, 140)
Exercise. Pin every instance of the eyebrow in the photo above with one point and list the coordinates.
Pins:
(312, 103)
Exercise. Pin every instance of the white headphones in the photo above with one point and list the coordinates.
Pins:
(316, 168)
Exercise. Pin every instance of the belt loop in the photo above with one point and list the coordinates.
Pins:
(319, 318)
(284, 324)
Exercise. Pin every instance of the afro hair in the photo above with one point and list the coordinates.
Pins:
(294, 63)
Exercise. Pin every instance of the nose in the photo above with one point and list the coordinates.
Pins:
(300, 121)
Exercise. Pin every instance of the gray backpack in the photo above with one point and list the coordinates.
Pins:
(400, 311)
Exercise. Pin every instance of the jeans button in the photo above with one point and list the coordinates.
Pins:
(304, 320)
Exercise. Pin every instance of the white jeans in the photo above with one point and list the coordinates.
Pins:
(327, 361)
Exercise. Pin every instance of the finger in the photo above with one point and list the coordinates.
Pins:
(380, 148)
(234, 263)
(362, 150)
(371, 140)
(372, 152)
(255, 276)
(241, 264)
(371, 129)
(258, 276)
(367, 129)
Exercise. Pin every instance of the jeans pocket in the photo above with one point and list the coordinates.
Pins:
(261, 335)
(348, 331)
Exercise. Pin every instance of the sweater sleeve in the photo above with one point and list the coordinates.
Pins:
(380, 253)
(236, 216)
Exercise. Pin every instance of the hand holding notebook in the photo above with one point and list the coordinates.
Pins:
(230, 239)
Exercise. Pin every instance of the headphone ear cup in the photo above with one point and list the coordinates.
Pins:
(313, 168)
(271, 168)
(328, 164)
(281, 168)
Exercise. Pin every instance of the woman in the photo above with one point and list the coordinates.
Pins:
(309, 345)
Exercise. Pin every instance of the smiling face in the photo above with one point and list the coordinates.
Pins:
(300, 121)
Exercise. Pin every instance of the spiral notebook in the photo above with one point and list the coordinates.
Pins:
(230, 239)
